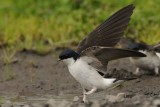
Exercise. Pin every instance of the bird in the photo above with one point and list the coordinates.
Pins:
(149, 64)
(89, 62)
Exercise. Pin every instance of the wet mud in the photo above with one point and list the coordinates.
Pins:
(32, 80)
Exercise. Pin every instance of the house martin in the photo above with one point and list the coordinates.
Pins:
(151, 62)
(88, 63)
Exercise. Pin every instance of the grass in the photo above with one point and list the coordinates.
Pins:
(8, 57)
(32, 71)
(43, 25)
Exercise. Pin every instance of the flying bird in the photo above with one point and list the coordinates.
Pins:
(88, 63)
(149, 64)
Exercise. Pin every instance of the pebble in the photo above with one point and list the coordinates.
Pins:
(52, 102)
(76, 98)
(156, 102)
(113, 99)
(120, 97)
(136, 102)
(109, 101)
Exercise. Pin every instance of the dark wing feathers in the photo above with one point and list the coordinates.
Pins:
(110, 53)
(119, 14)
(105, 54)
(120, 74)
(109, 32)
(114, 53)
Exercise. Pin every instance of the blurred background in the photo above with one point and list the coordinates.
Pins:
(42, 25)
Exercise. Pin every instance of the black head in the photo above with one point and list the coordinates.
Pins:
(68, 54)
(138, 46)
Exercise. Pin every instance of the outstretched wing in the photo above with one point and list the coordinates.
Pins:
(109, 32)
(98, 57)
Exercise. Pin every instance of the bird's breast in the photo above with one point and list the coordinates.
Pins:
(86, 75)
(149, 62)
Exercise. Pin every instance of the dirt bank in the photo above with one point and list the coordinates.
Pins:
(29, 75)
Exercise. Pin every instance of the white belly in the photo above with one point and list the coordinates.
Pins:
(87, 76)
(158, 54)
(148, 63)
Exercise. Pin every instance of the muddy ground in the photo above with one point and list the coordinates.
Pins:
(28, 79)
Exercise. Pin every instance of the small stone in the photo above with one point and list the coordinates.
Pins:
(76, 98)
(156, 102)
(136, 102)
(52, 102)
(111, 98)
(8, 101)
(120, 97)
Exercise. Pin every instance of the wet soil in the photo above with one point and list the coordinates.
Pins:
(32, 79)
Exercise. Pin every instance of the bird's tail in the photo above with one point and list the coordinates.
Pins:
(110, 82)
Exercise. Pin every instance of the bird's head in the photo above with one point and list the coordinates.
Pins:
(138, 46)
(68, 56)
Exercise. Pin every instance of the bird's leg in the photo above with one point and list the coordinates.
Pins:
(84, 96)
(137, 71)
(85, 93)
(156, 70)
(91, 91)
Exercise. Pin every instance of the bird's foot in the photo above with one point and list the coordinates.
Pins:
(85, 96)
(87, 93)
(85, 101)
(91, 91)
